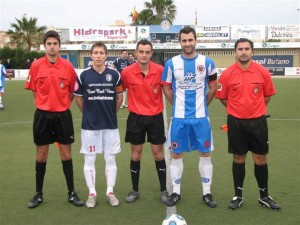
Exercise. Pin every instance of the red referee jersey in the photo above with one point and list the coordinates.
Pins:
(52, 84)
(245, 90)
(144, 93)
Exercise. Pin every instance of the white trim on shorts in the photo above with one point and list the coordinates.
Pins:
(99, 141)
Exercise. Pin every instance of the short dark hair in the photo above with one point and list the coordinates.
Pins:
(98, 44)
(144, 42)
(241, 40)
(51, 33)
(123, 50)
(187, 30)
(130, 53)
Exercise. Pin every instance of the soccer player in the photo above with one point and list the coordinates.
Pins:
(131, 58)
(245, 88)
(98, 94)
(3, 74)
(190, 84)
(142, 80)
(119, 64)
(52, 79)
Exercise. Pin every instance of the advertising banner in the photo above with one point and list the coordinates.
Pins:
(276, 71)
(292, 71)
(251, 32)
(291, 31)
(274, 60)
(143, 32)
(127, 33)
(212, 32)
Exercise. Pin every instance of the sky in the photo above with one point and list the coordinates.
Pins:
(95, 13)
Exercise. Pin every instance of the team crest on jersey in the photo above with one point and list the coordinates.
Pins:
(28, 78)
(76, 86)
(61, 84)
(201, 69)
(255, 90)
(219, 87)
(108, 77)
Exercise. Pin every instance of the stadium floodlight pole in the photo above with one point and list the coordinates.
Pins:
(170, 210)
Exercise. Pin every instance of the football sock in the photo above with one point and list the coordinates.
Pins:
(90, 172)
(161, 172)
(261, 175)
(124, 98)
(135, 174)
(40, 170)
(176, 170)
(68, 171)
(238, 173)
(206, 171)
(110, 172)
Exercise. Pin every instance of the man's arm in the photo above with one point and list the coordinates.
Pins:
(7, 76)
(79, 102)
(224, 102)
(71, 96)
(119, 101)
(267, 100)
(212, 89)
(168, 92)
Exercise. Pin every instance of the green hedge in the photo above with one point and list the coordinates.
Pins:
(18, 56)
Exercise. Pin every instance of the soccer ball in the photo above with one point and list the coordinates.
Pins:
(174, 219)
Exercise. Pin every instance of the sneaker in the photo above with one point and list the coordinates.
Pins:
(236, 203)
(173, 199)
(36, 200)
(73, 198)
(1, 106)
(164, 196)
(132, 196)
(112, 199)
(125, 106)
(91, 201)
(121, 107)
(269, 203)
(209, 201)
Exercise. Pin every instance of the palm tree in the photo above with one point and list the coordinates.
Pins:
(155, 12)
(26, 33)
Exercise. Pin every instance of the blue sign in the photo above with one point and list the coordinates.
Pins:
(274, 60)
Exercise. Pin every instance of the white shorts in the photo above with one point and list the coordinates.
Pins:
(2, 89)
(99, 141)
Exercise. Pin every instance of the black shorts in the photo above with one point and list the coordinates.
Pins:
(50, 127)
(247, 135)
(138, 126)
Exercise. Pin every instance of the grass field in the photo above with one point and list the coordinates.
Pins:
(17, 162)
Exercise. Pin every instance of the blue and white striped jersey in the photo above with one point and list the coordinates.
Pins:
(189, 79)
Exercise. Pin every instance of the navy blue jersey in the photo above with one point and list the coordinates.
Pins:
(99, 98)
(120, 64)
